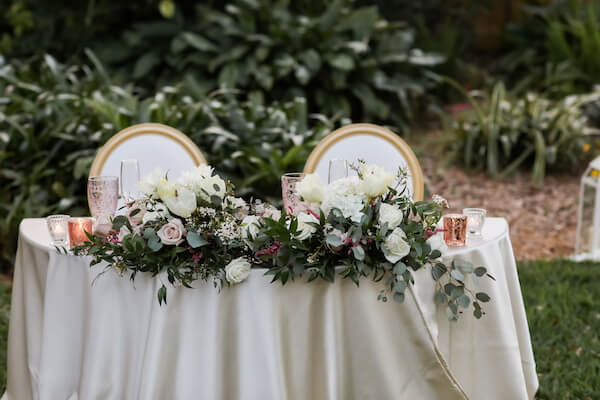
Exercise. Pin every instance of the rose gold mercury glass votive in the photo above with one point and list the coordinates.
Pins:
(77, 229)
(455, 229)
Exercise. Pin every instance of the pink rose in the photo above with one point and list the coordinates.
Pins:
(172, 233)
(137, 218)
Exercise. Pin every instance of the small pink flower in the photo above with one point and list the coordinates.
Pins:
(273, 249)
(196, 257)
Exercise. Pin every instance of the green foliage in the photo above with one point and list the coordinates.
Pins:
(562, 309)
(556, 49)
(54, 117)
(337, 242)
(343, 60)
(500, 134)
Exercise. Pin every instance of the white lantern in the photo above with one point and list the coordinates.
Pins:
(587, 245)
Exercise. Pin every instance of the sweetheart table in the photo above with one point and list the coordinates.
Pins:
(77, 335)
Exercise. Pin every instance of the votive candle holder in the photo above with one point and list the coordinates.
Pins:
(455, 229)
(77, 230)
(57, 228)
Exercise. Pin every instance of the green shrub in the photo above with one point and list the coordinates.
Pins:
(556, 49)
(500, 135)
(343, 60)
(54, 117)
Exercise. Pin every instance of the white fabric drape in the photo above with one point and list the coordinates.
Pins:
(73, 336)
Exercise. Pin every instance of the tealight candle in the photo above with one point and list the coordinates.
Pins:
(77, 229)
(57, 228)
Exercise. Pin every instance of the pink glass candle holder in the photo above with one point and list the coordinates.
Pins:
(455, 229)
(77, 229)
(291, 201)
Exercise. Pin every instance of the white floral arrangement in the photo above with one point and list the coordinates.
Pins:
(356, 227)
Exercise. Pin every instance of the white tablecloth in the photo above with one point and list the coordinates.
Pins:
(492, 358)
(71, 339)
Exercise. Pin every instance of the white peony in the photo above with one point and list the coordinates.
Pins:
(395, 246)
(390, 214)
(159, 211)
(305, 230)
(172, 232)
(311, 189)
(375, 180)
(212, 186)
(182, 203)
(437, 242)
(150, 182)
(237, 270)
(250, 226)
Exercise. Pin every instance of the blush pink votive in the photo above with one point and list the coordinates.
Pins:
(77, 229)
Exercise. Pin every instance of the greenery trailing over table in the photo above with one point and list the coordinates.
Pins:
(359, 227)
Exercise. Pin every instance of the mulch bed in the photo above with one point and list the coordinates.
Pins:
(543, 220)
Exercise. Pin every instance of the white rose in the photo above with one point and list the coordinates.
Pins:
(305, 230)
(311, 188)
(124, 231)
(212, 186)
(172, 233)
(395, 246)
(159, 211)
(183, 203)
(437, 242)
(390, 214)
(375, 180)
(250, 225)
(150, 182)
(136, 219)
(237, 270)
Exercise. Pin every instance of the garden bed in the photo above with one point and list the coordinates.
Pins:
(542, 219)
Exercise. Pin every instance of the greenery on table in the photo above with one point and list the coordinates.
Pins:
(500, 134)
(194, 228)
(384, 236)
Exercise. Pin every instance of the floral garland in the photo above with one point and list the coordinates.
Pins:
(356, 227)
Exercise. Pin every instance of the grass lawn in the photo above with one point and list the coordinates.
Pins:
(562, 299)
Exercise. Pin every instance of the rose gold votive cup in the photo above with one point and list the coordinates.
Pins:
(77, 229)
(455, 229)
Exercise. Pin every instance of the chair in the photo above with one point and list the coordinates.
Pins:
(372, 143)
(153, 145)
